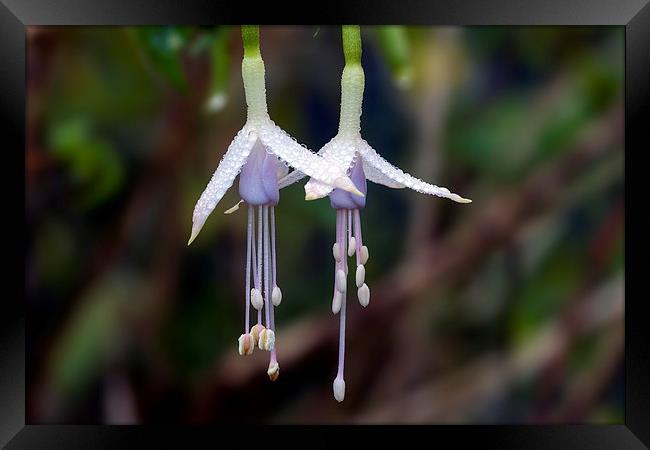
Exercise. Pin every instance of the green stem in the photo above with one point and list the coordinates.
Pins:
(250, 35)
(351, 44)
(352, 82)
(253, 73)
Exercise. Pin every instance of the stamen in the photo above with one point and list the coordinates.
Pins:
(276, 295)
(267, 290)
(336, 302)
(359, 239)
(249, 239)
(339, 383)
(260, 254)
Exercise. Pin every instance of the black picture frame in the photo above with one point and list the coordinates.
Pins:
(634, 15)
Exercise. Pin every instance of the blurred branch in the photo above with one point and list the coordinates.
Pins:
(465, 391)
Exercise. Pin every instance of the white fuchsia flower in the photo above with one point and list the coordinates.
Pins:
(261, 151)
(358, 159)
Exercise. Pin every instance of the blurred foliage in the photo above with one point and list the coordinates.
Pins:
(109, 211)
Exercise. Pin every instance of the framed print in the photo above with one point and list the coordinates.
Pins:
(397, 214)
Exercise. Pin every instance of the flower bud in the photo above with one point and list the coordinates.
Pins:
(364, 295)
(276, 296)
(267, 340)
(256, 299)
(255, 332)
(273, 371)
(361, 275)
(246, 344)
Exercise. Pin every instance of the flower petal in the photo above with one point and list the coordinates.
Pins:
(398, 177)
(340, 151)
(223, 178)
(303, 160)
(376, 176)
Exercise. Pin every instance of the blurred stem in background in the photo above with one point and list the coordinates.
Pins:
(220, 62)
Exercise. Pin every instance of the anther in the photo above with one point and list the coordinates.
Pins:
(337, 301)
(352, 246)
(361, 275)
(256, 299)
(276, 296)
(336, 251)
(246, 344)
(364, 295)
(256, 330)
(364, 254)
(267, 340)
(340, 280)
(339, 389)
(273, 371)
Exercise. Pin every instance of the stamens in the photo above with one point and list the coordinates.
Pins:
(363, 293)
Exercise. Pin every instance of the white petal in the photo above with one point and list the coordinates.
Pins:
(376, 176)
(300, 158)
(290, 179)
(297, 175)
(314, 189)
(388, 171)
(223, 177)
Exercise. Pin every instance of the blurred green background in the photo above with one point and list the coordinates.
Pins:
(507, 310)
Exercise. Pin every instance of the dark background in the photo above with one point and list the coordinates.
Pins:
(505, 310)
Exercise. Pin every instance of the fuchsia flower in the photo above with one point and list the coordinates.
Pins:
(358, 159)
(261, 151)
